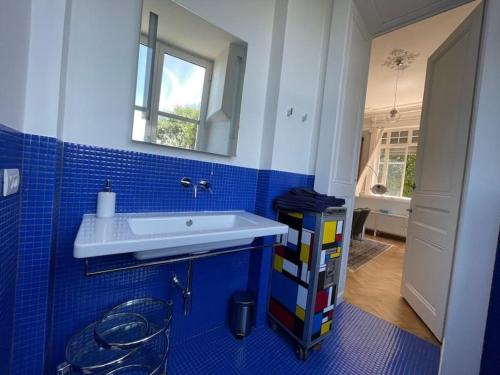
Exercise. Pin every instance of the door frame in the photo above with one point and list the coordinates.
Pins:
(466, 311)
(333, 175)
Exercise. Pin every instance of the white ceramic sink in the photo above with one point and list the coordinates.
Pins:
(154, 235)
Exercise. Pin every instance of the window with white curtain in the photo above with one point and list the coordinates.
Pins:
(396, 161)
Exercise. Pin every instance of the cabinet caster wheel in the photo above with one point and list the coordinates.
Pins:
(302, 353)
(273, 325)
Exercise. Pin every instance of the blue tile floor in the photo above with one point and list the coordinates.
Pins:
(360, 344)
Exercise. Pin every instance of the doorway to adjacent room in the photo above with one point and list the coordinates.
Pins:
(408, 188)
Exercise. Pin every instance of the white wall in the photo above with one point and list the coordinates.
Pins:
(101, 67)
(479, 218)
(82, 71)
(14, 44)
(100, 80)
(273, 83)
(44, 68)
(301, 85)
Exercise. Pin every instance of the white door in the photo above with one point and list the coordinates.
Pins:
(342, 112)
(444, 132)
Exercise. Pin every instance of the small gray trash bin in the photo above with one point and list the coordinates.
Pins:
(242, 314)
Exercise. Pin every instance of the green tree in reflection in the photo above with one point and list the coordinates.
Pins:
(178, 133)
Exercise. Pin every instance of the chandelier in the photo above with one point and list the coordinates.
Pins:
(398, 60)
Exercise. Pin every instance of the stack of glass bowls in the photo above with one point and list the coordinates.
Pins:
(131, 338)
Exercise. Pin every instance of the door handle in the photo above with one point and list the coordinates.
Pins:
(409, 210)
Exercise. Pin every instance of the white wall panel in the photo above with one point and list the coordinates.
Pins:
(14, 44)
(301, 85)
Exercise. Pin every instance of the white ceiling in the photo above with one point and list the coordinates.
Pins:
(382, 16)
(181, 28)
(422, 37)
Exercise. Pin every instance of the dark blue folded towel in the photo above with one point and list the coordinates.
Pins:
(306, 199)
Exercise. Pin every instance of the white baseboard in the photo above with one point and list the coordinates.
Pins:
(340, 297)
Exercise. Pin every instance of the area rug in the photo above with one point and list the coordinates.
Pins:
(362, 252)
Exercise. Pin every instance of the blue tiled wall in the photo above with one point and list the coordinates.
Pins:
(52, 298)
(36, 230)
(59, 184)
(490, 362)
(143, 182)
(11, 148)
(270, 184)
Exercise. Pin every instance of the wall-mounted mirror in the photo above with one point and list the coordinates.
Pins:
(189, 81)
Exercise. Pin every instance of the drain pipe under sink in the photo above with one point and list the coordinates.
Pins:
(186, 290)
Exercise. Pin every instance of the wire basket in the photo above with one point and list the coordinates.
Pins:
(132, 338)
(85, 355)
(121, 330)
(151, 358)
(123, 326)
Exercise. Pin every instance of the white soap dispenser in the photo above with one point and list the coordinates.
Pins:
(106, 202)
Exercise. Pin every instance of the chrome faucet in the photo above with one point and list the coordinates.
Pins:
(186, 183)
(205, 185)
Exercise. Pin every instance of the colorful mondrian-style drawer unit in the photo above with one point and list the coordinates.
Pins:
(305, 276)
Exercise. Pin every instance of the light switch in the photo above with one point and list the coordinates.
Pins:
(11, 181)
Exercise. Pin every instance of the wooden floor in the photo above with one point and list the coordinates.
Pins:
(374, 288)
